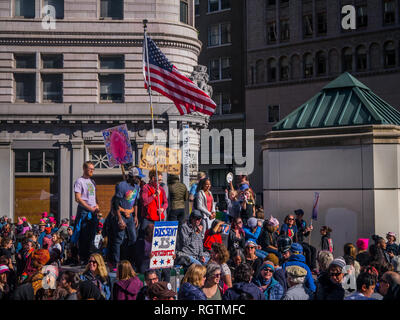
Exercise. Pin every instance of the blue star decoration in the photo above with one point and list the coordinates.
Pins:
(161, 261)
(172, 242)
(156, 243)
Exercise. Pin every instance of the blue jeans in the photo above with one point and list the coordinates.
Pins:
(118, 236)
(89, 222)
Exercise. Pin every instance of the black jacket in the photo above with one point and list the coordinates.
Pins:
(24, 292)
(234, 242)
(393, 293)
(327, 290)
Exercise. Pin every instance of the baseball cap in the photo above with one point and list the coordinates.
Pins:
(3, 268)
(136, 172)
(196, 214)
(161, 290)
(244, 186)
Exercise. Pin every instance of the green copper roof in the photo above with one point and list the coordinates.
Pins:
(343, 102)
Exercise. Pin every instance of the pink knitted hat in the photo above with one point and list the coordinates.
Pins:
(362, 244)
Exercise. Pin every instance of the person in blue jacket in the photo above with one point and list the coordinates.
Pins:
(265, 281)
(42, 227)
(297, 259)
(253, 229)
(192, 283)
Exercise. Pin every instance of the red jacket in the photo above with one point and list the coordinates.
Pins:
(150, 203)
(210, 239)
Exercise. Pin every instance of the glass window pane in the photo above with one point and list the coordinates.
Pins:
(213, 39)
(26, 61)
(36, 161)
(111, 87)
(225, 4)
(50, 161)
(111, 9)
(183, 12)
(24, 8)
(52, 87)
(226, 33)
(25, 86)
(214, 69)
(213, 5)
(21, 161)
(52, 61)
(225, 68)
(58, 6)
(111, 62)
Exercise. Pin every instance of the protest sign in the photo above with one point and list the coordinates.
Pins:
(118, 145)
(168, 159)
(163, 246)
(225, 228)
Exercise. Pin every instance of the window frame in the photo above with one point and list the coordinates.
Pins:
(104, 74)
(220, 68)
(219, 44)
(44, 75)
(108, 17)
(269, 108)
(19, 100)
(219, 7)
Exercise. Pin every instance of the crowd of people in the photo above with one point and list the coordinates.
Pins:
(259, 259)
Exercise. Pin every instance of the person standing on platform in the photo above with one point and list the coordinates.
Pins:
(86, 217)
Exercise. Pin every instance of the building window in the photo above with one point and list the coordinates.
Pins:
(389, 55)
(197, 7)
(347, 58)
(111, 87)
(220, 69)
(36, 183)
(260, 74)
(273, 113)
(389, 15)
(218, 5)
(321, 63)
(111, 9)
(308, 25)
(25, 87)
(271, 70)
(361, 58)
(321, 23)
(271, 30)
(218, 176)
(219, 34)
(308, 66)
(285, 30)
(271, 2)
(24, 8)
(99, 158)
(184, 12)
(52, 87)
(284, 68)
(111, 62)
(25, 61)
(58, 6)
(362, 16)
(52, 61)
(223, 101)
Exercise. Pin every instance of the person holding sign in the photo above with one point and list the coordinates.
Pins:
(155, 202)
(123, 220)
(86, 217)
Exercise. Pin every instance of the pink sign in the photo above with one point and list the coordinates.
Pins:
(118, 145)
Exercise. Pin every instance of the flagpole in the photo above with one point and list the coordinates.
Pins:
(151, 105)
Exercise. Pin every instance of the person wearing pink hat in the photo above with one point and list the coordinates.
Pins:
(4, 287)
(363, 256)
(268, 238)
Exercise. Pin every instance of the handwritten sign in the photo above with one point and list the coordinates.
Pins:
(225, 228)
(163, 246)
(118, 145)
(168, 159)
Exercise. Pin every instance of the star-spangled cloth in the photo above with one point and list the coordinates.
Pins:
(168, 81)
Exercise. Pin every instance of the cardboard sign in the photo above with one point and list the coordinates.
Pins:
(163, 245)
(168, 159)
(225, 228)
(118, 145)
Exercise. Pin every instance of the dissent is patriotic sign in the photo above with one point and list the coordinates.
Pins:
(168, 81)
(163, 245)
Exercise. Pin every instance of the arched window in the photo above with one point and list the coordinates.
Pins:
(333, 62)
(375, 56)
(296, 68)
(321, 63)
(361, 58)
(389, 53)
(347, 59)
(271, 66)
(284, 68)
(260, 71)
(308, 65)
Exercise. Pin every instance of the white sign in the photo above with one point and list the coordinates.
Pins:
(163, 245)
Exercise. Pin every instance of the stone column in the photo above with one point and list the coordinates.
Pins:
(7, 180)
(65, 187)
(77, 160)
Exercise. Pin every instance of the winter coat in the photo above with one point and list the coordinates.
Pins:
(267, 239)
(300, 260)
(327, 290)
(326, 243)
(280, 276)
(250, 235)
(189, 242)
(234, 242)
(298, 292)
(363, 258)
(127, 289)
(201, 204)
(24, 292)
(273, 292)
(189, 291)
(240, 288)
(393, 293)
(209, 239)
(178, 193)
(103, 284)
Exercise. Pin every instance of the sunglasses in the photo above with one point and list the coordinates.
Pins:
(290, 219)
(92, 261)
(268, 270)
(336, 274)
(217, 275)
(251, 247)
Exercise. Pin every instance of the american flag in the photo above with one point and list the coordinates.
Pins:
(168, 81)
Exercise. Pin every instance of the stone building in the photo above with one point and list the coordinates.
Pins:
(294, 48)
(59, 87)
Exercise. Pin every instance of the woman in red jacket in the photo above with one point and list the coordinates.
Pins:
(213, 234)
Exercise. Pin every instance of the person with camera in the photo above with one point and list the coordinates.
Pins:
(86, 217)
